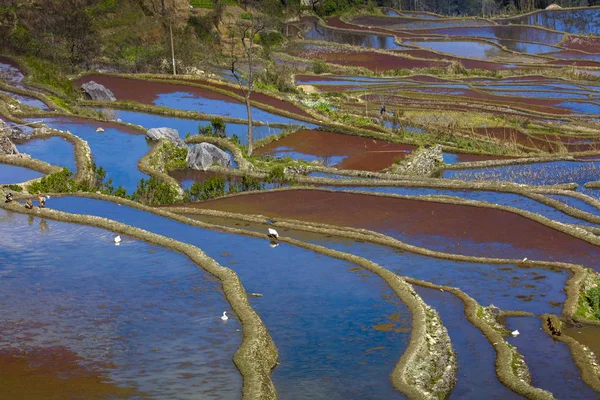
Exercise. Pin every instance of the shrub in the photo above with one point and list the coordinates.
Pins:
(154, 192)
(15, 188)
(174, 157)
(218, 127)
(320, 67)
(57, 182)
(592, 297)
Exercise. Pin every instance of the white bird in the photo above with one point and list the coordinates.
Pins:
(224, 317)
(118, 239)
(99, 129)
(273, 234)
(525, 259)
(515, 333)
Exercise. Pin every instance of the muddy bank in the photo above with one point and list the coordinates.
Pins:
(348, 152)
(465, 229)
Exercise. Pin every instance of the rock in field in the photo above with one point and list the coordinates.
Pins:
(202, 156)
(97, 92)
(7, 147)
(165, 133)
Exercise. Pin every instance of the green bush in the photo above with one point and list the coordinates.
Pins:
(218, 126)
(15, 188)
(174, 157)
(592, 297)
(154, 192)
(320, 67)
(57, 182)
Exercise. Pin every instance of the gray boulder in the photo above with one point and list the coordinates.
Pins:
(13, 132)
(7, 147)
(165, 133)
(202, 156)
(96, 91)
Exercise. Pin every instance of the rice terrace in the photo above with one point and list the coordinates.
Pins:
(300, 199)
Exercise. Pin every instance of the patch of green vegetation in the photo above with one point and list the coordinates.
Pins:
(154, 192)
(247, 16)
(15, 188)
(210, 3)
(175, 157)
(48, 73)
(217, 128)
(589, 303)
(218, 186)
(320, 67)
(63, 181)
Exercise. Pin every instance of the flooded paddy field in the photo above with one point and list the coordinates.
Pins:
(460, 229)
(13, 174)
(54, 150)
(85, 317)
(339, 346)
(182, 97)
(191, 126)
(117, 149)
(337, 150)
(99, 320)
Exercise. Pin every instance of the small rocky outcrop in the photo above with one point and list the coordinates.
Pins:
(97, 92)
(423, 162)
(553, 6)
(202, 156)
(170, 134)
(12, 132)
(7, 148)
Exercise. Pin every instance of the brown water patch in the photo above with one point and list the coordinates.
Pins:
(54, 373)
(384, 327)
(258, 97)
(588, 336)
(372, 60)
(575, 63)
(361, 153)
(146, 92)
(458, 224)
(590, 44)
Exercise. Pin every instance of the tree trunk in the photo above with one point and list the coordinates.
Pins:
(249, 109)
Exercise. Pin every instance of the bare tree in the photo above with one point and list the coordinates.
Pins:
(246, 30)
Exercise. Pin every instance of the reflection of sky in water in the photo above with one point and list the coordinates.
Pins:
(11, 74)
(27, 100)
(14, 174)
(540, 95)
(525, 47)
(582, 21)
(550, 361)
(513, 32)
(550, 173)
(54, 150)
(320, 312)
(320, 32)
(115, 150)
(460, 49)
(574, 55)
(191, 102)
(148, 312)
(580, 107)
(573, 202)
(184, 126)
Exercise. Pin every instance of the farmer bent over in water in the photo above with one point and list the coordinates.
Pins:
(28, 204)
